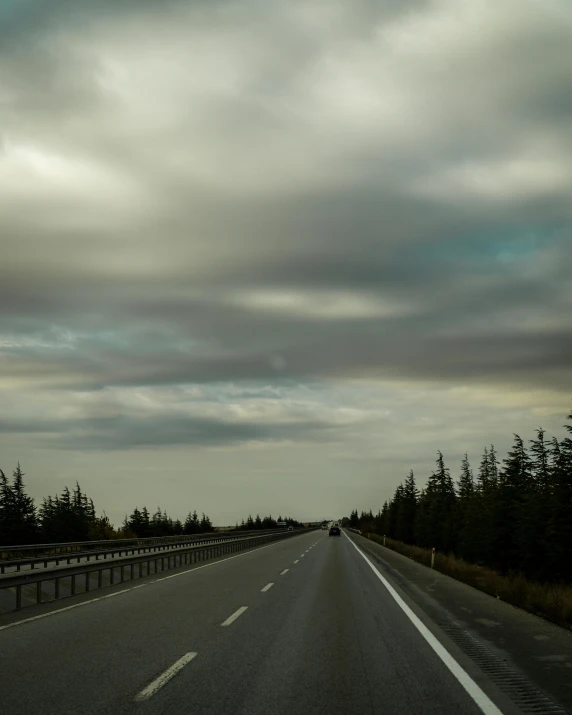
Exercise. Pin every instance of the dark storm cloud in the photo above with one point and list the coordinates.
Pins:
(274, 191)
(131, 432)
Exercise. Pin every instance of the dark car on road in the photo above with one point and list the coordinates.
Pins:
(335, 531)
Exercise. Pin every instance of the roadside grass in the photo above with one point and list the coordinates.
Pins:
(547, 600)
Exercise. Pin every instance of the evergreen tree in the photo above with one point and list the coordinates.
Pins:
(559, 527)
(493, 465)
(396, 530)
(135, 522)
(189, 525)
(405, 505)
(537, 510)
(464, 526)
(484, 475)
(177, 527)
(68, 517)
(509, 521)
(482, 517)
(206, 524)
(354, 519)
(384, 519)
(424, 535)
(23, 521)
(6, 511)
(440, 495)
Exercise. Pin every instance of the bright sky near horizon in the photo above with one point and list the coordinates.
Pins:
(261, 256)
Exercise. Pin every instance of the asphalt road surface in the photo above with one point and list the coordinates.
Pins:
(309, 625)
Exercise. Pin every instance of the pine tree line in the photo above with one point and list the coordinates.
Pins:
(515, 517)
(71, 516)
(141, 524)
(266, 522)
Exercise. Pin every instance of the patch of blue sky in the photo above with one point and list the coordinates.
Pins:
(503, 245)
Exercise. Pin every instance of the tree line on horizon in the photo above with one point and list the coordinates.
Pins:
(71, 516)
(266, 522)
(514, 517)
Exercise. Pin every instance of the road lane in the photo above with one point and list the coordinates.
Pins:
(328, 641)
(515, 648)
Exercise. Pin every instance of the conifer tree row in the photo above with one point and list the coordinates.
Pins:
(71, 516)
(515, 517)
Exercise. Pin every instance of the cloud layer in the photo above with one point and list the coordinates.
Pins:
(205, 201)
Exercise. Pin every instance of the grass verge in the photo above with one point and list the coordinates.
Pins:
(547, 600)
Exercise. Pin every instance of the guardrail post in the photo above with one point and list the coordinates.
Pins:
(132, 571)
(100, 578)
(122, 573)
(111, 576)
(87, 575)
(432, 557)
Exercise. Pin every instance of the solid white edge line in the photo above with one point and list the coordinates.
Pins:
(283, 572)
(267, 587)
(132, 588)
(234, 616)
(480, 698)
(164, 678)
(297, 561)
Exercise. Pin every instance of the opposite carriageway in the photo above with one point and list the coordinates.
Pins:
(39, 585)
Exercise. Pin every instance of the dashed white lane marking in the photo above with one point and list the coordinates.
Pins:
(283, 572)
(297, 561)
(132, 588)
(481, 699)
(164, 678)
(235, 615)
(267, 587)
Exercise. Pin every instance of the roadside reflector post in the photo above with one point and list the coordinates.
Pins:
(432, 557)
(384, 539)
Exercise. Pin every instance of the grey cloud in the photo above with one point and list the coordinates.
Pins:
(137, 216)
(132, 432)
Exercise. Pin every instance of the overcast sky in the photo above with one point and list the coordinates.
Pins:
(261, 256)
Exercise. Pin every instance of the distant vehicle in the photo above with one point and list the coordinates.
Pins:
(335, 530)
(324, 526)
(290, 528)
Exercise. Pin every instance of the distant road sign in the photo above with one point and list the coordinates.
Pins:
(281, 523)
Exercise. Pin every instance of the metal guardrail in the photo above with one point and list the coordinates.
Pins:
(147, 565)
(66, 551)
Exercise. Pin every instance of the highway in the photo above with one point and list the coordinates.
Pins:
(312, 625)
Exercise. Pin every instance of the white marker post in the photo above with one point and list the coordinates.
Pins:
(432, 557)
(384, 539)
